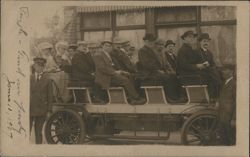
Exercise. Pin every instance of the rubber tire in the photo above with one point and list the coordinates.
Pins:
(76, 115)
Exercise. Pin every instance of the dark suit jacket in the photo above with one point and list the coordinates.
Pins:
(172, 60)
(187, 59)
(205, 56)
(122, 61)
(150, 63)
(104, 69)
(227, 101)
(82, 66)
(40, 95)
(148, 60)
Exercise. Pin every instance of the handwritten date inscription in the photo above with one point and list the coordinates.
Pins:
(15, 110)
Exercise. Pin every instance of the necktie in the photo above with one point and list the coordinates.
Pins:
(38, 77)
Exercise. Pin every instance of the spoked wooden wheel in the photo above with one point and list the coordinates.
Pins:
(200, 129)
(65, 127)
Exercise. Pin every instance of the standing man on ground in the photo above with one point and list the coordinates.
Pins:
(40, 97)
(227, 106)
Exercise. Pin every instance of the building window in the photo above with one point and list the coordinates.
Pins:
(100, 20)
(175, 14)
(130, 18)
(97, 35)
(215, 13)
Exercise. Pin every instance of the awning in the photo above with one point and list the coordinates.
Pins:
(103, 8)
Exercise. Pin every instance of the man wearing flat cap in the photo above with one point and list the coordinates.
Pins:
(83, 66)
(207, 67)
(40, 97)
(107, 75)
(120, 56)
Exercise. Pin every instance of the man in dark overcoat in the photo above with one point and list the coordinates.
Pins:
(187, 57)
(83, 66)
(227, 106)
(153, 65)
(107, 75)
(83, 71)
(40, 97)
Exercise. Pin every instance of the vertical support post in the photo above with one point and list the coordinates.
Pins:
(150, 21)
(113, 23)
(198, 19)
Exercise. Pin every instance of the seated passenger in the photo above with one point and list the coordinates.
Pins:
(170, 56)
(207, 66)
(120, 56)
(66, 59)
(191, 62)
(83, 68)
(153, 65)
(107, 75)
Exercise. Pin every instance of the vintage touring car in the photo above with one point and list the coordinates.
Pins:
(72, 123)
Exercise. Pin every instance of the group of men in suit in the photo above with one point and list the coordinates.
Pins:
(111, 65)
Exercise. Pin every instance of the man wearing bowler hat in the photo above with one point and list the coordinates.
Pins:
(187, 58)
(170, 56)
(40, 97)
(207, 66)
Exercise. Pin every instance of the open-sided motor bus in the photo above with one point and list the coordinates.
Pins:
(71, 123)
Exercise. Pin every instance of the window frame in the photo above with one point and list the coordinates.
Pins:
(197, 23)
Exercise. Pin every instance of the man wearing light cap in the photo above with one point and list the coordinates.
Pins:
(83, 66)
(40, 97)
(107, 75)
(120, 56)
(46, 51)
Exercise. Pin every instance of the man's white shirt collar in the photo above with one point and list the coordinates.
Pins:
(228, 80)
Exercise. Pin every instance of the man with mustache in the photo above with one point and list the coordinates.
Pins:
(207, 67)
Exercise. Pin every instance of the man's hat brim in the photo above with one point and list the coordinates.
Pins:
(188, 33)
(39, 60)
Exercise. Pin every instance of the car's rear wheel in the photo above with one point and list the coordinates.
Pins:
(200, 129)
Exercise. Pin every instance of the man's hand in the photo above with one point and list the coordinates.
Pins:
(161, 71)
(200, 66)
(119, 72)
(125, 73)
(206, 64)
(49, 114)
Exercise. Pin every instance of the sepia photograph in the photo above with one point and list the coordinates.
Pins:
(124, 74)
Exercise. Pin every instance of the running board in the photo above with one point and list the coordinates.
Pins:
(132, 137)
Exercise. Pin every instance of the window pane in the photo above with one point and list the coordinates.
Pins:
(176, 14)
(174, 34)
(214, 13)
(96, 20)
(135, 38)
(128, 18)
(223, 43)
(97, 36)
